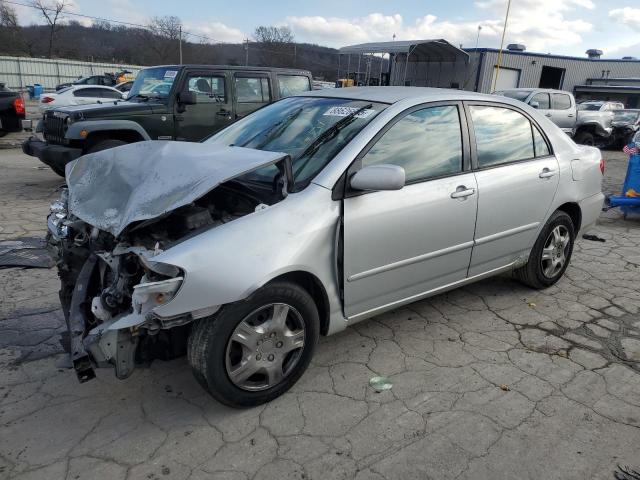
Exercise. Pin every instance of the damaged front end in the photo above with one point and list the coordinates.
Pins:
(111, 287)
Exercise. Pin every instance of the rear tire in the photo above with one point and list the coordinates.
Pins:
(254, 350)
(585, 138)
(550, 256)
(105, 145)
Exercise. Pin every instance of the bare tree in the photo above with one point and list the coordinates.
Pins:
(163, 36)
(52, 13)
(275, 45)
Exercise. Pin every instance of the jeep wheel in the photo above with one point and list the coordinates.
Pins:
(585, 138)
(254, 350)
(105, 145)
(551, 253)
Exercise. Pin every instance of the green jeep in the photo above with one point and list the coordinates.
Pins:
(176, 102)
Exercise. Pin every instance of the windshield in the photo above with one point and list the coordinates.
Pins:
(517, 94)
(312, 130)
(593, 106)
(154, 82)
(625, 116)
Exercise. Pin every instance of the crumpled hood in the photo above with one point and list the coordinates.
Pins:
(116, 187)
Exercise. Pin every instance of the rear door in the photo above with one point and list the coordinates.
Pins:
(401, 244)
(564, 111)
(252, 90)
(213, 108)
(517, 177)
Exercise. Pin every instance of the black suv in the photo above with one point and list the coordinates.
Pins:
(175, 102)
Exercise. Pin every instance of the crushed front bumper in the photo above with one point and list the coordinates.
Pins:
(55, 156)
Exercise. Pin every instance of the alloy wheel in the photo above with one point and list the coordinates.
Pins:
(265, 347)
(555, 251)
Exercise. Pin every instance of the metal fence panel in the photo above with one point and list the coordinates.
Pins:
(18, 72)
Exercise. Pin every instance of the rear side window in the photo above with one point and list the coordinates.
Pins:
(561, 101)
(502, 135)
(88, 92)
(427, 143)
(541, 147)
(542, 99)
(293, 84)
(252, 90)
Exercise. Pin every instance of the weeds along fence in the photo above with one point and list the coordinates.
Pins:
(18, 72)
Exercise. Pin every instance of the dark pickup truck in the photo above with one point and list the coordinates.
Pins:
(11, 110)
(175, 102)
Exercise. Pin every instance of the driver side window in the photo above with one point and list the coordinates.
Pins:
(427, 143)
(208, 88)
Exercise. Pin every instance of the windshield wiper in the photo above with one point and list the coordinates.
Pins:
(331, 132)
(273, 131)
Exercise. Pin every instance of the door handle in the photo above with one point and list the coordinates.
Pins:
(570, 115)
(463, 192)
(547, 114)
(547, 173)
(223, 113)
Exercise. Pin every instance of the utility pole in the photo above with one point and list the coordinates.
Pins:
(499, 62)
(294, 54)
(246, 52)
(180, 40)
(478, 36)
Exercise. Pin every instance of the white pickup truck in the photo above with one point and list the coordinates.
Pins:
(589, 123)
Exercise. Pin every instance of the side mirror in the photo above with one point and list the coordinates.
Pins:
(534, 105)
(378, 177)
(187, 98)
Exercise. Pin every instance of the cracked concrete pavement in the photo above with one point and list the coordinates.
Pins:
(492, 381)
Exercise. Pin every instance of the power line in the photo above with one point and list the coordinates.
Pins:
(183, 32)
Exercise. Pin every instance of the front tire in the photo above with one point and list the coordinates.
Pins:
(254, 350)
(550, 255)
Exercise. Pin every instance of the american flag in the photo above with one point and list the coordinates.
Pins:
(631, 149)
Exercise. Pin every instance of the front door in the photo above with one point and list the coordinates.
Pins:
(517, 178)
(400, 244)
(252, 91)
(213, 108)
(564, 111)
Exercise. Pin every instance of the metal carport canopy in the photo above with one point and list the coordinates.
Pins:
(418, 50)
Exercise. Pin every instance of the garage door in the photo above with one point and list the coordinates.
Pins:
(508, 78)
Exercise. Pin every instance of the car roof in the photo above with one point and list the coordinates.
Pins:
(234, 67)
(533, 89)
(397, 94)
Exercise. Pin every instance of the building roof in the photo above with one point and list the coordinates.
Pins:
(549, 55)
(418, 50)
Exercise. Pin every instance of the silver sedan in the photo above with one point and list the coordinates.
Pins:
(309, 215)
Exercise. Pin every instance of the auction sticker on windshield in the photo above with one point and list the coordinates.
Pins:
(170, 74)
(344, 111)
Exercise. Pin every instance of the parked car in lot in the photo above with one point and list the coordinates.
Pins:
(124, 87)
(78, 95)
(12, 110)
(625, 125)
(307, 216)
(181, 102)
(107, 80)
(589, 123)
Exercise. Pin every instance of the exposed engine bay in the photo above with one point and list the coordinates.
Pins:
(122, 284)
(110, 283)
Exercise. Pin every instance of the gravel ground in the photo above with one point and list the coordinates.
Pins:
(492, 381)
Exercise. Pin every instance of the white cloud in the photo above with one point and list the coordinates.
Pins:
(539, 24)
(218, 32)
(627, 16)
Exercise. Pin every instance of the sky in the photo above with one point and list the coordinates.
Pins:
(567, 27)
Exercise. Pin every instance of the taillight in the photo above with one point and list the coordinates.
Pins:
(602, 166)
(46, 99)
(18, 105)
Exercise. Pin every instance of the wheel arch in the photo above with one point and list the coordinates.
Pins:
(573, 210)
(314, 287)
